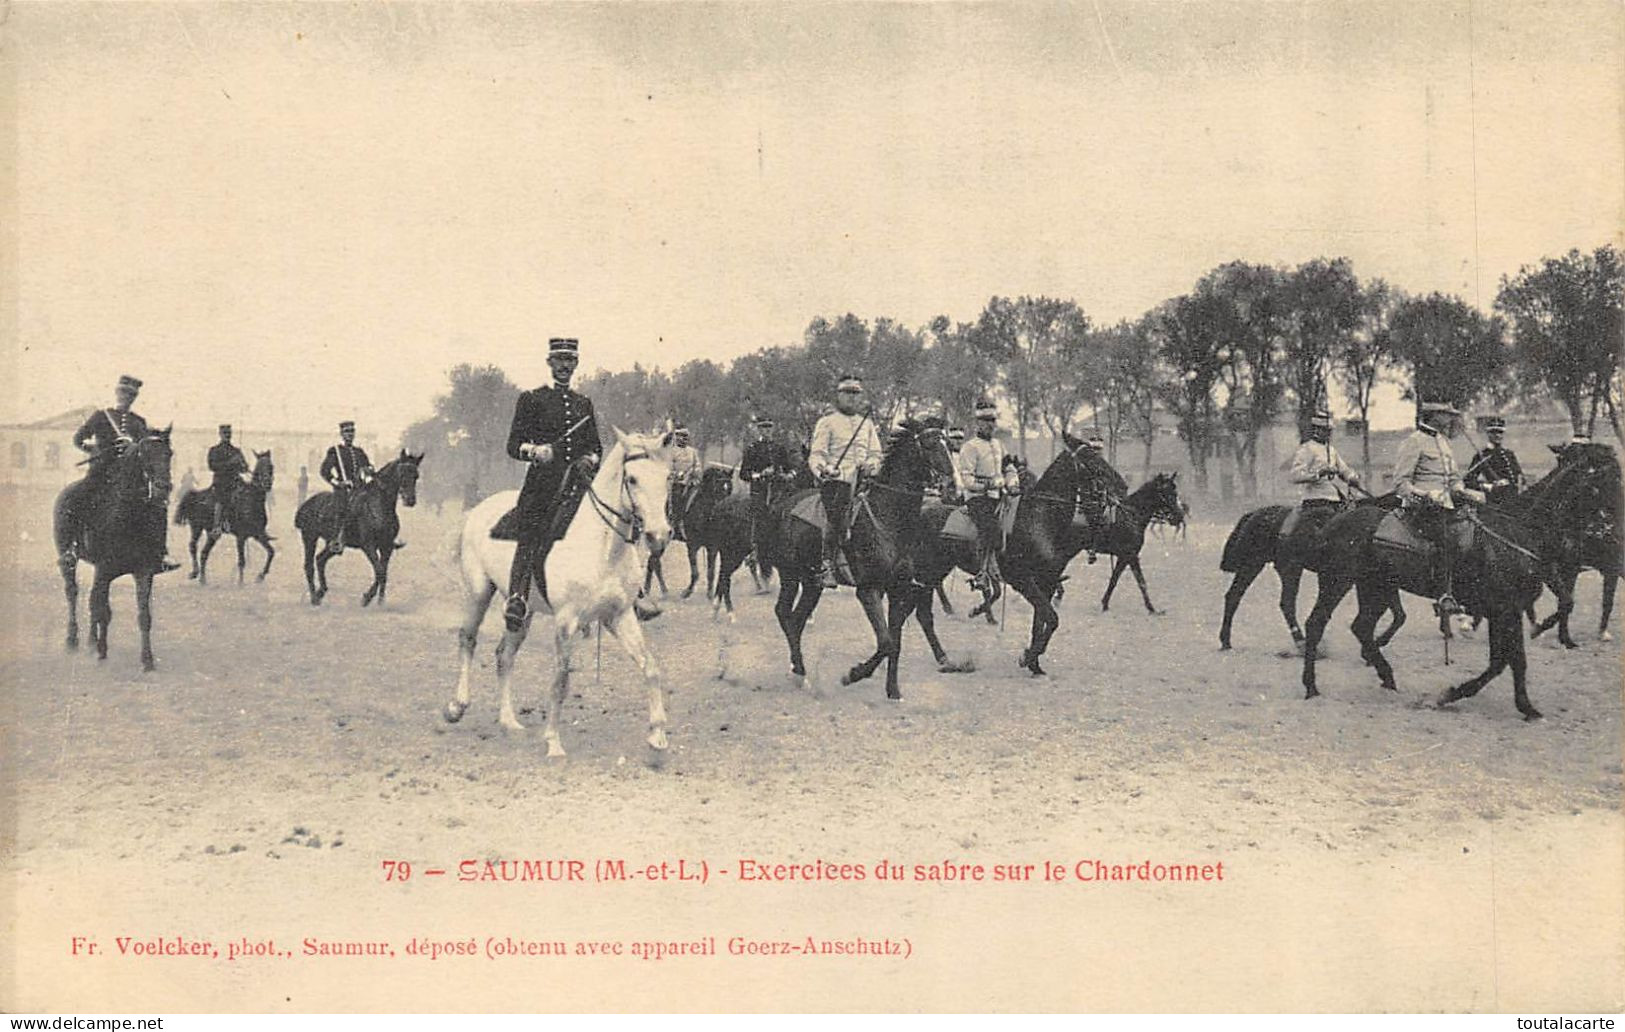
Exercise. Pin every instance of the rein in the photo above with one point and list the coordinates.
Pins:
(613, 517)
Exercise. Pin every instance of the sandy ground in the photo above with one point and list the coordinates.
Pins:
(1378, 853)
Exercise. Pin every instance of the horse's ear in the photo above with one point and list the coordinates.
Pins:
(1174, 475)
(1557, 449)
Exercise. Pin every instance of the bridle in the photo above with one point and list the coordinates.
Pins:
(612, 516)
(155, 490)
(1080, 474)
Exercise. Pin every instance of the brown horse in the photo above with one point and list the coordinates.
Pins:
(246, 520)
(373, 526)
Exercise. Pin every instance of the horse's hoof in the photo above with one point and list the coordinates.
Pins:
(454, 711)
(1224, 646)
(1532, 714)
(1037, 671)
(850, 677)
(192, 575)
(148, 666)
(1156, 612)
(894, 695)
(512, 724)
(1311, 693)
(1571, 644)
(657, 739)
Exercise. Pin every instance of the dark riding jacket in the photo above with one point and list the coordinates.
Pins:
(227, 463)
(1496, 472)
(103, 430)
(546, 415)
(345, 465)
(762, 456)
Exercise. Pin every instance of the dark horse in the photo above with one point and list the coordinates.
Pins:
(1155, 501)
(246, 520)
(885, 522)
(1048, 531)
(1600, 546)
(122, 533)
(1515, 549)
(1255, 542)
(702, 523)
(373, 526)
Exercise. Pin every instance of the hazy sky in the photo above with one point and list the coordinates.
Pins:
(290, 215)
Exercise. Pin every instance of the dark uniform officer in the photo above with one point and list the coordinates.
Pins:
(346, 468)
(106, 435)
(227, 463)
(554, 430)
(764, 461)
(1495, 470)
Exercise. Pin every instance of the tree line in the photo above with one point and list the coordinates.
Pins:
(1246, 346)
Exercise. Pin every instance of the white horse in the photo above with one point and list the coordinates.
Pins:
(592, 576)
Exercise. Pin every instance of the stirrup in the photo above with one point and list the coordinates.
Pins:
(827, 574)
(1092, 558)
(167, 566)
(1447, 605)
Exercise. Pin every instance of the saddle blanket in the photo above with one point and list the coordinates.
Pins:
(960, 527)
(507, 528)
(810, 510)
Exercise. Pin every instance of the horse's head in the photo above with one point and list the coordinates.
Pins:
(640, 462)
(1162, 491)
(923, 445)
(264, 473)
(405, 469)
(145, 465)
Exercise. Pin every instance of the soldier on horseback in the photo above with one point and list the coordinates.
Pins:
(1317, 467)
(346, 469)
(105, 436)
(764, 461)
(228, 465)
(1495, 469)
(981, 466)
(1095, 496)
(555, 431)
(1427, 481)
(844, 444)
(685, 478)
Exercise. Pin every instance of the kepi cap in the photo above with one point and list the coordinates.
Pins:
(348, 424)
(564, 346)
(986, 409)
(850, 384)
(129, 382)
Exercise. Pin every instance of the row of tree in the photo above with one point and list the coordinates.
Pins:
(1246, 346)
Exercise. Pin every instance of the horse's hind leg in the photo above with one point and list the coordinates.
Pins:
(928, 623)
(1118, 565)
(468, 636)
(901, 604)
(203, 560)
(143, 619)
(242, 559)
(1610, 581)
(1232, 599)
(626, 629)
(191, 550)
(942, 597)
(70, 590)
(377, 576)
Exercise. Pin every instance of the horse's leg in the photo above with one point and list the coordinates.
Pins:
(942, 596)
(1118, 565)
(209, 540)
(1373, 603)
(1291, 576)
(143, 619)
(191, 550)
(901, 604)
(871, 597)
(1232, 599)
(1332, 590)
(468, 637)
(564, 633)
(101, 612)
(1564, 590)
(1397, 607)
(1609, 583)
(384, 555)
(377, 575)
(1502, 626)
(507, 652)
(242, 558)
(626, 629)
(928, 623)
(694, 570)
(1519, 661)
(70, 589)
(1139, 578)
(270, 553)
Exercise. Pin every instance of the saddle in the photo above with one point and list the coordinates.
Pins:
(810, 510)
(1106, 516)
(959, 526)
(1414, 555)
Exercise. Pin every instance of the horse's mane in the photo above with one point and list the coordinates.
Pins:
(1090, 465)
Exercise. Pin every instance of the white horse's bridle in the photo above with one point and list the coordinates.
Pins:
(613, 517)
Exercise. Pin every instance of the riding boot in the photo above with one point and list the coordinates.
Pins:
(1447, 604)
(827, 571)
(519, 577)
